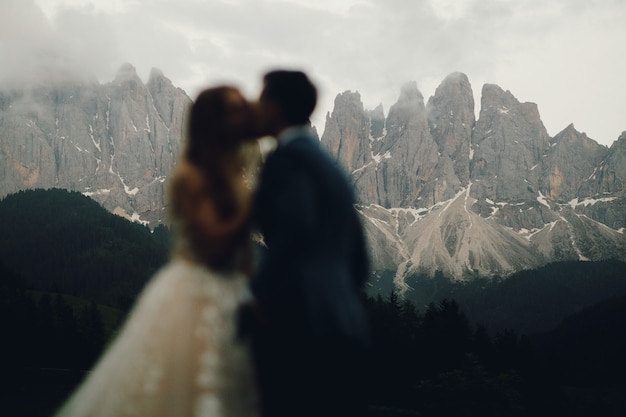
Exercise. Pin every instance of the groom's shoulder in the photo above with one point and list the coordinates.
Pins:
(300, 146)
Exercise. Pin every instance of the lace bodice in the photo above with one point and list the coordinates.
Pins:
(177, 355)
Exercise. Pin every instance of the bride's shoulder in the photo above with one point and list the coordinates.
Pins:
(187, 179)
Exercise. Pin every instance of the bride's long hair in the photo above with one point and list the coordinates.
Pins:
(213, 145)
(211, 167)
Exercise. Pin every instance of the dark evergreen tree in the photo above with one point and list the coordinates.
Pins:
(92, 334)
(446, 335)
(483, 348)
(65, 242)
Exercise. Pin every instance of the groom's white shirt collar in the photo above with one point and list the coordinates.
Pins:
(293, 132)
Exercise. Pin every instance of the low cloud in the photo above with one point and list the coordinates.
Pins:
(533, 48)
(33, 49)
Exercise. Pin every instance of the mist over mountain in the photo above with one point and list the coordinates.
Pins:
(115, 142)
(439, 190)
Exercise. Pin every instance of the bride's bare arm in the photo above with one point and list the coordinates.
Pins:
(208, 219)
(191, 204)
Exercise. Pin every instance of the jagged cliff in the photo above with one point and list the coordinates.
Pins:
(441, 191)
(438, 189)
(115, 142)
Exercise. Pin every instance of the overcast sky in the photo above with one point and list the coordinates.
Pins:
(568, 56)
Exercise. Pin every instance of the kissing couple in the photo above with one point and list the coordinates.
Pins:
(237, 326)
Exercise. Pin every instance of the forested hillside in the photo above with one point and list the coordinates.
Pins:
(530, 301)
(65, 242)
(69, 271)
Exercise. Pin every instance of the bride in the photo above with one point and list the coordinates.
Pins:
(178, 353)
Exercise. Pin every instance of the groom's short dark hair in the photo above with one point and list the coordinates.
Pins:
(293, 92)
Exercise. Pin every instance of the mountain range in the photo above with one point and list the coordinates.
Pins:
(442, 191)
(439, 190)
(115, 142)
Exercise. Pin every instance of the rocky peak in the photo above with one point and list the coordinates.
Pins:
(346, 135)
(158, 81)
(451, 120)
(620, 142)
(434, 195)
(128, 82)
(569, 133)
(455, 93)
(377, 122)
(492, 95)
(407, 114)
(126, 72)
(410, 93)
(411, 154)
(114, 142)
(509, 143)
(400, 165)
(348, 138)
(572, 159)
(171, 102)
(572, 137)
(610, 177)
(409, 107)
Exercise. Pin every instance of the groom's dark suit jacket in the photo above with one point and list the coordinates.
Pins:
(311, 346)
(316, 263)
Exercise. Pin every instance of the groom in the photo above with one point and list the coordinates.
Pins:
(313, 337)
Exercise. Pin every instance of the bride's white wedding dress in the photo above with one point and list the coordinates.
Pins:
(177, 355)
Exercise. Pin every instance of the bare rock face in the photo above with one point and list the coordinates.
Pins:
(610, 175)
(346, 135)
(115, 142)
(451, 120)
(377, 123)
(438, 191)
(572, 160)
(509, 143)
(602, 197)
(400, 163)
(443, 192)
(409, 154)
